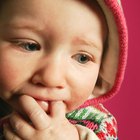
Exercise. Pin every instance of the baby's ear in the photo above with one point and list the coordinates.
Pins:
(101, 87)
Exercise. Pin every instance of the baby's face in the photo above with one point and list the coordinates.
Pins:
(50, 50)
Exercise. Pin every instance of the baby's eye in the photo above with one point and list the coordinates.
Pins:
(82, 58)
(28, 46)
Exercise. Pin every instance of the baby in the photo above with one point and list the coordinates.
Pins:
(59, 60)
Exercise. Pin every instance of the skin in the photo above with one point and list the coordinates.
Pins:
(49, 64)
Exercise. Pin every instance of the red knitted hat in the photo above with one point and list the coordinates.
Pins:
(114, 58)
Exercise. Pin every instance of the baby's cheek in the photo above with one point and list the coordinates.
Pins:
(8, 80)
(78, 99)
(7, 75)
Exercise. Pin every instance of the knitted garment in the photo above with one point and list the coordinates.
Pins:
(113, 65)
(96, 118)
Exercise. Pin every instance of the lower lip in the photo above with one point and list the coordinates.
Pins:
(43, 104)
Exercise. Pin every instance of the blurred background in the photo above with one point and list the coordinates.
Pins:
(126, 104)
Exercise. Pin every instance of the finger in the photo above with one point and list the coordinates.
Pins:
(58, 109)
(44, 105)
(36, 114)
(23, 128)
(9, 134)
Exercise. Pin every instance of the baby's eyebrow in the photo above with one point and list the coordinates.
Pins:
(86, 41)
(22, 25)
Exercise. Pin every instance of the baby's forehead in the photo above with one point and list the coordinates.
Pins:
(91, 4)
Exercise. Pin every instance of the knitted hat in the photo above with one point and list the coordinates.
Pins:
(115, 55)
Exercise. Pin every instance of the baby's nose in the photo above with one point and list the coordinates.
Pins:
(50, 75)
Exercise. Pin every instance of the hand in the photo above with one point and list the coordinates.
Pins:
(42, 126)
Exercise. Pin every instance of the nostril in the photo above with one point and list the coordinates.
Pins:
(39, 84)
(60, 87)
